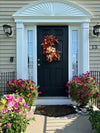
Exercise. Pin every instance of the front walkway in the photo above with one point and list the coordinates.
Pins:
(74, 123)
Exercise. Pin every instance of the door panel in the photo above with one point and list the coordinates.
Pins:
(53, 76)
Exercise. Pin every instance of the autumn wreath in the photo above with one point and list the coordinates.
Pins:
(52, 54)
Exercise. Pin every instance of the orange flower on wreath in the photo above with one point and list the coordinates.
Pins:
(51, 53)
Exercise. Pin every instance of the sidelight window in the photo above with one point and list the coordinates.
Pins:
(30, 54)
(74, 52)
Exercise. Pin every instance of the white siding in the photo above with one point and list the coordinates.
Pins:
(94, 8)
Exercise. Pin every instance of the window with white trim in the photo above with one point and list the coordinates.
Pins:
(30, 54)
(74, 52)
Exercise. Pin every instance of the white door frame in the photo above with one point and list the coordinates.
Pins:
(22, 69)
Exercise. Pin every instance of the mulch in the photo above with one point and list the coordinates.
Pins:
(54, 110)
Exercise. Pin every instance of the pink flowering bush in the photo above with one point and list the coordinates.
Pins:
(13, 122)
(25, 88)
(83, 88)
(13, 114)
(13, 103)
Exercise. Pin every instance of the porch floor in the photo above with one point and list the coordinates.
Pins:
(74, 123)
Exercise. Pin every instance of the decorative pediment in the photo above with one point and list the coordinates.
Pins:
(47, 8)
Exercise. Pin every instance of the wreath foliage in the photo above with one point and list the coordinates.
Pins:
(52, 54)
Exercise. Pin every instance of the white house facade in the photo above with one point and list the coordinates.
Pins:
(70, 21)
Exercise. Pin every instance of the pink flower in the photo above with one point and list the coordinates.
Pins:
(78, 91)
(4, 111)
(32, 81)
(16, 83)
(4, 125)
(30, 95)
(32, 89)
(81, 90)
(13, 89)
(0, 129)
(26, 106)
(40, 92)
(7, 82)
(16, 104)
(22, 83)
(20, 99)
(90, 94)
(82, 86)
(16, 110)
(20, 79)
(10, 104)
(10, 98)
(7, 97)
(9, 125)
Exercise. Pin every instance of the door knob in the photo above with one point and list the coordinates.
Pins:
(38, 64)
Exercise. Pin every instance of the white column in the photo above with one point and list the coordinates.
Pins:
(84, 48)
(21, 52)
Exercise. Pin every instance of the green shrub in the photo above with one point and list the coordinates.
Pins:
(94, 117)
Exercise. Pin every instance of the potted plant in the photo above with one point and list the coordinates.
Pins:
(13, 114)
(94, 117)
(25, 88)
(83, 88)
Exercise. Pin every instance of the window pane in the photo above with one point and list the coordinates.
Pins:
(75, 52)
(30, 54)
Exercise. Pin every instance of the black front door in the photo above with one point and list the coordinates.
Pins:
(52, 76)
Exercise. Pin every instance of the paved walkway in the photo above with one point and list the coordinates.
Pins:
(74, 123)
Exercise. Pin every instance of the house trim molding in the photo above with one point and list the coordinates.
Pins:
(51, 9)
